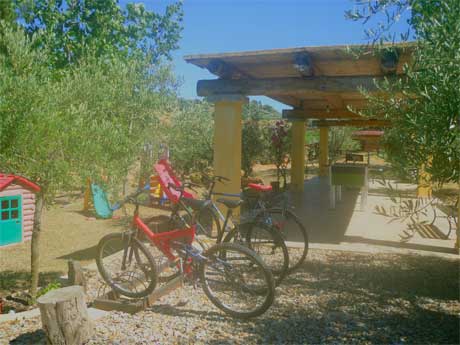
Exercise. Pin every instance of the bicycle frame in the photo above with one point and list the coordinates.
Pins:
(165, 241)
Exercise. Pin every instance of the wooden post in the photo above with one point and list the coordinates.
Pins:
(323, 151)
(65, 317)
(87, 196)
(298, 155)
(227, 141)
(76, 275)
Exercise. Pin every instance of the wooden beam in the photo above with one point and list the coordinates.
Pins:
(289, 100)
(352, 123)
(320, 114)
(389, 61)
(225, 70)
(283, 86)
(303, 64)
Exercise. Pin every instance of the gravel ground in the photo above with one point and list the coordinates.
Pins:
(336, 297)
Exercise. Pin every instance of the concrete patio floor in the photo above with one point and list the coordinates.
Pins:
(347, 225)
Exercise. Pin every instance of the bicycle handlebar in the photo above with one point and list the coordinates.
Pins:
(130, 197)
(183, 186)
(218, 178)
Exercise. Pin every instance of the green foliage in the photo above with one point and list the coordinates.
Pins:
(255, 110)
(91, 121)
(51, 286)
(340, 140)
(280, 147)
(73, 29)
(426, 120)
(254, 134)
(7, 12)
(189, 132)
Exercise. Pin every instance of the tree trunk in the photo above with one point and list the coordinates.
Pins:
(35, 246)
(65, 317)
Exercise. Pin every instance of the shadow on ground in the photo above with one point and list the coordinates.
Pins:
(352, 298)
(335, 297)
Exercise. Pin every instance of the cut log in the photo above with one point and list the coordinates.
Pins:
(65, 317)
(76, 275)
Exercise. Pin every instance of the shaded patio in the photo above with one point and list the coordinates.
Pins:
(320, 86)
(349, 226)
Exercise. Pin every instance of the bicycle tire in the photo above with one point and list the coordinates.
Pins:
(209, 222)
(264, 291)
(248, 239)
(299, 232)
(125, 242)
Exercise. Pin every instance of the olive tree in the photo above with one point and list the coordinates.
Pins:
(71, 28)
(59, 128)
(424, 105)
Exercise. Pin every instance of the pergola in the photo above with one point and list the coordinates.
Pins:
(319, 83)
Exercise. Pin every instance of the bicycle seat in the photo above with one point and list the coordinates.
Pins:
(196, 204)
(260, 187)
(230, 203)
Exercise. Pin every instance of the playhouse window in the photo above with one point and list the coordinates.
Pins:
(5, 215)
(14, 214)
(5, 204)
(14, 203)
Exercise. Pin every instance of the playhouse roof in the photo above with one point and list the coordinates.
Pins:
(6, 180)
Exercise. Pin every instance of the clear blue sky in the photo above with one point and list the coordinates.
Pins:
(217, 26)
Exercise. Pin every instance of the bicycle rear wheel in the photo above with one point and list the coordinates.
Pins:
(126, 265)
(291, 229)
(237, 281)
(266, 242)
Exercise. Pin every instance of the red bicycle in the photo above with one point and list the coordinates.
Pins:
(233, 277)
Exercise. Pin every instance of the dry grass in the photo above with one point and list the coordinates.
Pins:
(67, 234)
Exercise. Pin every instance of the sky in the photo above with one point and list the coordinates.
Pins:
(218, 26)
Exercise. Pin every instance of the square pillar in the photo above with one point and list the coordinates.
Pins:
(323, 151)
(298, 131)
(424, 188)
(227, 141)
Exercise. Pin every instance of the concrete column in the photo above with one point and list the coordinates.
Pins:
(323, 151)
(298, 155)
(425, 188)
(227, 141)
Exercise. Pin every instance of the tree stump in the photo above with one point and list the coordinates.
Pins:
(65, 317)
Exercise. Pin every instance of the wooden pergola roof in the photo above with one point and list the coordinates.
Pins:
(318, 82)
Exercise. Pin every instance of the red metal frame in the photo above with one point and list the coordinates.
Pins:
(163, 240)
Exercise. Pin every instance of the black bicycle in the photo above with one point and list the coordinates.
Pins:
(260, 237)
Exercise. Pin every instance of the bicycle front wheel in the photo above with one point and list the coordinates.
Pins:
(291, 229)
(126, 265)
(266, 242)
(237, 281)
